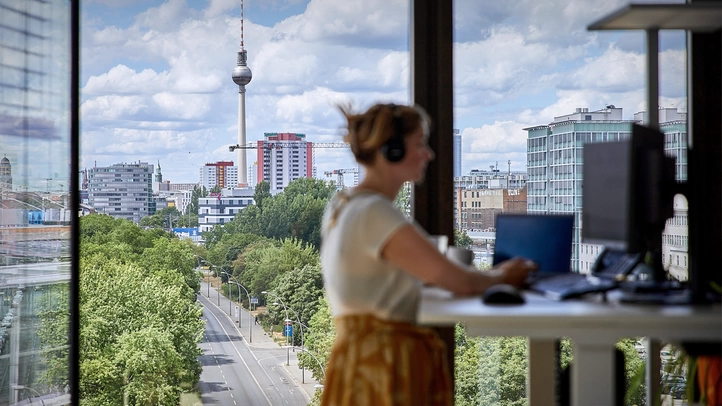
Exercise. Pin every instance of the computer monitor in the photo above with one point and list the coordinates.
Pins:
(628, 192)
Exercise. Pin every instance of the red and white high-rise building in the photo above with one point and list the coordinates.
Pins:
(222, 174)
(283, 158)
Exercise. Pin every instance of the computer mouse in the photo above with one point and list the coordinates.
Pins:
(502, 294)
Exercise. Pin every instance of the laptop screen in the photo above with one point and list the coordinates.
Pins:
(545, 239)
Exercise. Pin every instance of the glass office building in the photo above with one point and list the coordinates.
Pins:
(123, 190)
(554, 163)
(35, 200)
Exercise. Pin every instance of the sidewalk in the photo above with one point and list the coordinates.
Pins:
(256, 337)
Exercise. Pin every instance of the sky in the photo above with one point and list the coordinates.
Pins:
(156, 75)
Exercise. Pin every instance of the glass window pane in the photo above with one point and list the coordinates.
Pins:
(35, 212)
(532, 86)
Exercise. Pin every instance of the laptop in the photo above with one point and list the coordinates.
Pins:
(547, 240)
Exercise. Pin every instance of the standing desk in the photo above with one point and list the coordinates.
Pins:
(593, 326)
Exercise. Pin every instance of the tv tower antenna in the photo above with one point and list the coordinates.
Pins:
(242, 76)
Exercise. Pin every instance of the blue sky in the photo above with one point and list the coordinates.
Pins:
(156, 80)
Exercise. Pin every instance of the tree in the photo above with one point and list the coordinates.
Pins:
(97, 227)
(305, 214)
(319, 343)
(403, 199)
(262, 192)
(149, 363)
(139, 335)
(301, 290)
(130, 233)
(198, 192)
(172, 255)
(634, 370)
(264, 262)
(461, 239)
(311, 187)
(166, 217)
(53, 334)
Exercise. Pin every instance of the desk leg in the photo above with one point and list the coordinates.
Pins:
(652, 375)
(541, 384)
(592, 380)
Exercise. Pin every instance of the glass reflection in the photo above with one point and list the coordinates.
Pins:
(34, 200)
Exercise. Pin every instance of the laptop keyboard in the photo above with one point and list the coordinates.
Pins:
(568, 285)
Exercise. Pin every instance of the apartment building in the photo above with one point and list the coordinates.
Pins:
(283, 158)
(222, 174)
(476, 209)
(123, 190)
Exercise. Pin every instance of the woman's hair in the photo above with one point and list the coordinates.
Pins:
(368, 131)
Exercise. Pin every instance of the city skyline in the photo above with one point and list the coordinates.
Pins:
(156, 86)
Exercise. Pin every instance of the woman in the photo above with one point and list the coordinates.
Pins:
(375, 261)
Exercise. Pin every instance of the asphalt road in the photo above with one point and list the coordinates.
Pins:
(238, 373)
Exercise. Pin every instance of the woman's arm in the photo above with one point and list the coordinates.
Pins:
(411, 251)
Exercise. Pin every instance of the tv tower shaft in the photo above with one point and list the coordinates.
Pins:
(242, 76)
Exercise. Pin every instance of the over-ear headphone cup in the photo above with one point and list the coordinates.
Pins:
(394, 150)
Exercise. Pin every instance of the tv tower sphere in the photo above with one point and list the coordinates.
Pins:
(241, 75)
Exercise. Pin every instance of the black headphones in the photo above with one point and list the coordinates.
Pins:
(394, 149)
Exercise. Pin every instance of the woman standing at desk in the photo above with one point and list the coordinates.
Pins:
(374, 263)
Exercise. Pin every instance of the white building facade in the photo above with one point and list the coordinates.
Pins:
(221, 209)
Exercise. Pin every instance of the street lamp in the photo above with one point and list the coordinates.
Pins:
(210, 267)
(303, 335)
(230, 295)
(23, 387)
(323, 370)
(250, 325)
(288, 350)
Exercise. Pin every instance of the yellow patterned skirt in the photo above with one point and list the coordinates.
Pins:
(375, 362)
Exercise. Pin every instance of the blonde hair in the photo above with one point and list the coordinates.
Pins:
(367, 132)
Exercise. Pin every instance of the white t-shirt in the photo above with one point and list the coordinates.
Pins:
(357, 279)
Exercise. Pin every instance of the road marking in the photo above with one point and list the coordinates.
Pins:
(241, 358)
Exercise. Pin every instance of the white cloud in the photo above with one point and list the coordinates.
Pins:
(161, 88)
(123, 80)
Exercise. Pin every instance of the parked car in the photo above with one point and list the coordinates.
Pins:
(679, 391)
(672, 384)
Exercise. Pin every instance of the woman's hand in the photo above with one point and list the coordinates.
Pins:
(515, 271)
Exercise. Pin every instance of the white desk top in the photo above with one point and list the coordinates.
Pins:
(582, 319)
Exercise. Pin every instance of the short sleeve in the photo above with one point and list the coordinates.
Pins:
(381, 220)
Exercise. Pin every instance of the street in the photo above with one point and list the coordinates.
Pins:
(238, 372)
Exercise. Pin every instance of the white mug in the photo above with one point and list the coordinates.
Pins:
(441, 242)
(461, 256)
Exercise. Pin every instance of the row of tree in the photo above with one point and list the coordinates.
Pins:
(169, 217)
(140, 324)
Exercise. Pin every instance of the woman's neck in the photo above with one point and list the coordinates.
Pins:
(380, 184)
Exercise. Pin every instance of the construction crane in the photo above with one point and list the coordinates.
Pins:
(339, 176)
(282, 144)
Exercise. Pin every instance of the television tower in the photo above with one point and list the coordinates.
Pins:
(242, 76)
